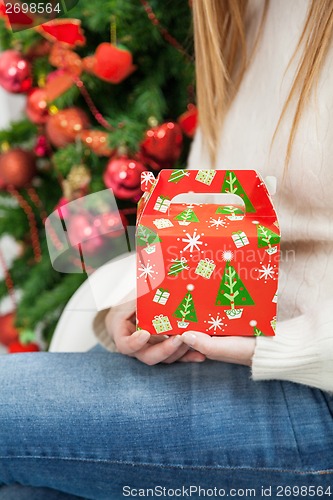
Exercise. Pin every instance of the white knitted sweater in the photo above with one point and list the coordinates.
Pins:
(302, 350)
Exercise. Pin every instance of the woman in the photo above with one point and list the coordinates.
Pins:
(104, 426)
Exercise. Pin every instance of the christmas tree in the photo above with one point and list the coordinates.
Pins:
(187, 216)
(266, 237)
(146, 237)
(232, 291)
(186, 310)
(97, 115)
(232, 185)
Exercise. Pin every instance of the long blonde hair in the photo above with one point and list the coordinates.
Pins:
(222, 57)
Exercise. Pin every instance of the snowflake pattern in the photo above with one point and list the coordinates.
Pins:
(193, 241)
(266, 272)
(147, 178)
(217, 222)
(146, 270)
(227, 255)
(216, 323)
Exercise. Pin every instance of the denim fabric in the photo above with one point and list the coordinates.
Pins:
(90, 424)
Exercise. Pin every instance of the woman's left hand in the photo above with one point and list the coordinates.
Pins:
(228, 349)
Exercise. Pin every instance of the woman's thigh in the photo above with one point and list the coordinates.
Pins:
(93, 424)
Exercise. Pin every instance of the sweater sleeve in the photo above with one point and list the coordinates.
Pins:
(301, 351)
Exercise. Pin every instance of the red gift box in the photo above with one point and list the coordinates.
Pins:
(211, 267)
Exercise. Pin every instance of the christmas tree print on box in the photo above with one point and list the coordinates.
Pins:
(231, 185)
(213, 266)
(232, 292)
(147, 238)
(186, 217)
(186, 311)
(232, 212)
(267, 238)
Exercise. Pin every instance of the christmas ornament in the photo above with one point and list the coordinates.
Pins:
(63, 127)
(96, 140)
(111, 224)
(79, 177)
(37, 107)
(17, 168)
(42, 147)
(17, 346)
(66, 31)
(162, 145)
(188, 120)
(113, 64)
(123, 176)
(63, 58)
(81, 231)
(8, 332)
(15, 72)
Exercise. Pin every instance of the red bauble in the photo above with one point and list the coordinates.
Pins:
(123, 176)
(17, 168)
(188, 120)
(42, 147)
(112, 64)
(18, 346)
(15, 72)
(162, 145)
(37, 107)
(8, 332)
(81, 231)
(111, 224)
(63, 127)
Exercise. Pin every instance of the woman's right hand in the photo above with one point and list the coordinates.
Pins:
(150, 349)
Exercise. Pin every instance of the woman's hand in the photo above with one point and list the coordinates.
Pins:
(228, 349)
(120, 324)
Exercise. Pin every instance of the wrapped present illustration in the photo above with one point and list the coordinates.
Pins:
(205, 268)
(205, 176)
(240, 239)
(162, 204)
(212, 267)
(161, 324)
(161, 296)
(162, 223)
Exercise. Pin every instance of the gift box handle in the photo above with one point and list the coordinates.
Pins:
(247, 184)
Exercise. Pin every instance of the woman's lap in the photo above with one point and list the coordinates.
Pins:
(90, 424)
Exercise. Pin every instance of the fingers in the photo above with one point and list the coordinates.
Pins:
(153, 354)
(131, 342)
(229, 349)
(192, 356)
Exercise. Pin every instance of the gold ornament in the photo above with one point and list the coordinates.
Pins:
(79, 177)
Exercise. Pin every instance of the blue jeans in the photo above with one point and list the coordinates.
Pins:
(101, 425)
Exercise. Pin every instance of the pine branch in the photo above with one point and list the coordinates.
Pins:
(29, 316)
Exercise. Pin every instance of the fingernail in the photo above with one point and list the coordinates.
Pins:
(177, 340)
(142, 335)
(190, 338)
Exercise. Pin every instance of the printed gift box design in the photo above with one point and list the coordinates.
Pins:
(210, 266)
